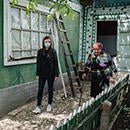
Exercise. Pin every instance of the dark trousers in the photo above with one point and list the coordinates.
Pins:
(41, 84)
(98, 84)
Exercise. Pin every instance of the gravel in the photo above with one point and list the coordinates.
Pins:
(23, 119)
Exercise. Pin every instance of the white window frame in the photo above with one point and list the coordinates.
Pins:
(7, 29)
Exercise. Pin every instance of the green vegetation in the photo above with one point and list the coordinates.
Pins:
(58, 7)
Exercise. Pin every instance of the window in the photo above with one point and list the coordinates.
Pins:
(23, 33)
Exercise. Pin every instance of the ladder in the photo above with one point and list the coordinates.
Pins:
(67, 53)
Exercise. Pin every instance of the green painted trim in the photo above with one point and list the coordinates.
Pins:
(95, 17)
(84, 34)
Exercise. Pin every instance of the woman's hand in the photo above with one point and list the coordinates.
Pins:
(37, 77)
(84, 76)
(115, 75)
(112, 80)
(56, 78)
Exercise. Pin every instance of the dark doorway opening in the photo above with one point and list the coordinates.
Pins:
(107, 35)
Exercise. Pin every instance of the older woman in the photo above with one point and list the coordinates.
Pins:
(101, 67)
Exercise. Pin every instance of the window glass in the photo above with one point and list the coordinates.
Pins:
(34, 21)
(25, 20)
(15, 17)
(16, 43)
(35, 43)
(43, 23)
(16, 40)
(26, 44)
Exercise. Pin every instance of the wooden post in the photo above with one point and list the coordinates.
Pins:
(105, 116)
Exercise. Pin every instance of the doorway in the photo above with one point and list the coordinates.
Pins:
(107, 35)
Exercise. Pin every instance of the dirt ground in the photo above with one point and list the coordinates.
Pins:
(23, 119)
(123, 121)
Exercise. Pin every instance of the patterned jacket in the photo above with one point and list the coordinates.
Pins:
(102, 64)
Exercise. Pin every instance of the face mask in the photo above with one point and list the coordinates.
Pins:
(47, 44)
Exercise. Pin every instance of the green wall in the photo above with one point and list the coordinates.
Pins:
(72, 27)
(17, 74)
(14, 75)
(106, 2)
(1, 33)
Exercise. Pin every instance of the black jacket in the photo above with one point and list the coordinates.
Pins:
(47, 63)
